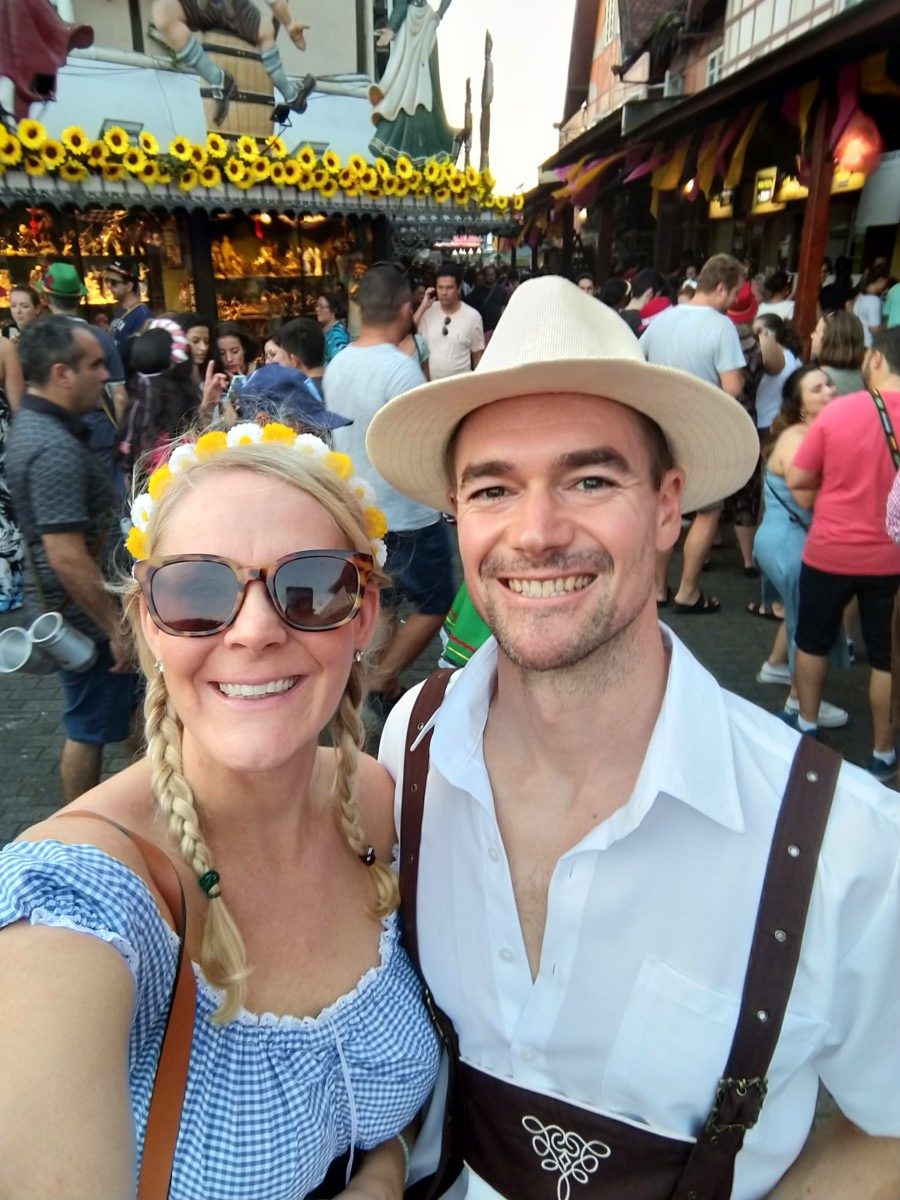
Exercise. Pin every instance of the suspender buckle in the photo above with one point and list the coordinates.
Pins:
(737, 1106)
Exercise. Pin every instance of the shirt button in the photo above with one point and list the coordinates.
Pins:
(506, 954)
(493, 855)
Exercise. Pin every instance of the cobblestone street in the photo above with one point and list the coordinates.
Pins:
(732, 644)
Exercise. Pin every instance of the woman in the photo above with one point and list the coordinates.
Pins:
(779, 541)
(867, 304)
(310, 1040)
(24, 307)
(166, 398)
(11, 388)
(781, 356)
(198, 331)
(236, 351)
(838, 344)
(329, 313)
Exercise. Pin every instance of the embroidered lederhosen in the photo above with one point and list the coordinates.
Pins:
(530, 1146)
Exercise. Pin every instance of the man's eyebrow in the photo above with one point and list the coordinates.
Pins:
(482, 470)
(595, 456)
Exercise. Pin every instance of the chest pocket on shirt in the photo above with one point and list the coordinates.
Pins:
(673, 1044)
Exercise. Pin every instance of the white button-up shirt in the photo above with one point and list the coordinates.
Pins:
(649, 924)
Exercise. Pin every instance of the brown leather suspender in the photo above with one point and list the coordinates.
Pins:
(170, 1084)
(772, 964)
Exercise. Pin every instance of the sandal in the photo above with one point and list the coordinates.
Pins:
(669, 597)
(702, 606)
(760, 610)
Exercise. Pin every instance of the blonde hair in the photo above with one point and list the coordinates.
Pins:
(223, 955)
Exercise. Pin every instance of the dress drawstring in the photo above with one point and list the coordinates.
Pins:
(351, 1099)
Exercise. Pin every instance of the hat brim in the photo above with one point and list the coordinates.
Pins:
(45, 291)
(712, 438)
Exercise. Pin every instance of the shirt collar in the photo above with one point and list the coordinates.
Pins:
(689, 757)
(72, 422)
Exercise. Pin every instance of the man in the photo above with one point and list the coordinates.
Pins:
(489, 298)
(63, 500)
(301, 344)
(598, 812)
(123, 282)
(64, 291)
(846, 468)
(647, 285)
(453, 330)
(360, 381)
(698, 337)
(177, 20)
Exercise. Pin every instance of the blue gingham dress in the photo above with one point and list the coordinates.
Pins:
(270, 1100)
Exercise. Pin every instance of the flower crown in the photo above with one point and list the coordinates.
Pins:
(208, 445)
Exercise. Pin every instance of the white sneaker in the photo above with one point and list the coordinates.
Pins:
(830, 716)
(769, 673)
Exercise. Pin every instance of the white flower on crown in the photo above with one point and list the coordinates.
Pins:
(363, 491)
(244, 434)
(141, 508)
(309, 444)
(379, 552)
(182, 458)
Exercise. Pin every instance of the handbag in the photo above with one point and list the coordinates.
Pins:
(170, 1082)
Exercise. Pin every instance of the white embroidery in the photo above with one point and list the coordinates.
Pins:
(567, 1153)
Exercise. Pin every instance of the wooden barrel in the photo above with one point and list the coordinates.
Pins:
(250, 110)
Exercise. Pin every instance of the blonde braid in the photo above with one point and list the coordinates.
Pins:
(348, 737)
(223, 957)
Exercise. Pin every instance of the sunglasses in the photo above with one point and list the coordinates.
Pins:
(445, 331)
(199, 595)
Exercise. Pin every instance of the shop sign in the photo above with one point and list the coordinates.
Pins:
(764, 200)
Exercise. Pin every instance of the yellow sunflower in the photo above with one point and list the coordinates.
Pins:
(347, 178)
(351, 191)
(235, 170)
(53, 153)
(415, 180)
(383, 168)
(133, 160)
(329, 188)
(276, 174)
(188, 180)
(357, 163)
(448, 171)
(501, 203)
(519, 201)
(473, 176)
(276, 148)
(331, 162)
(216, 145)
(457, 184)
(368, 179)
(319, 178)
(307, 158)
(401, 189)
(210, 176)
(10, 149)
(75, 140)
(73, 171)
(488, 179)
(97, 154)
(291, 172)
(163, 174)
(487, 201)
(113, 172)
(247, 148)
(32, 134)
(305, 180)
(403, 167)
(148, 143)
(432, 172)
(117, 139)
(260, 169)
(34, 165)
(441, 195)
(198, 156)
(180, 148)
(246, 182)
(148, 173)
(461, 198)
(389, 185)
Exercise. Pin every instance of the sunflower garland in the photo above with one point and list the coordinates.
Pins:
(243, 162)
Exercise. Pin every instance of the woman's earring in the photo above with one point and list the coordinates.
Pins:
(357, 657)
(159, 666)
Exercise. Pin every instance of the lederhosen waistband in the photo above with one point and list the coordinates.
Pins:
(530, 1146)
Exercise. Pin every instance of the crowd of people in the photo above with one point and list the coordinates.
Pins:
(259, 540)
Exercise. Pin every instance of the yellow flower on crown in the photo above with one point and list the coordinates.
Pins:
(32, 134)
(117, 139)
(276, 432)
(148, 143)
(75, 139)
(180, 148)
(159, 481)
(210, 443)
(341, 464)
(376, 522)
(136, 543)
(216, 145)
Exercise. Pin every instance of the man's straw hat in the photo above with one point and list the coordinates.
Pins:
(555, 338)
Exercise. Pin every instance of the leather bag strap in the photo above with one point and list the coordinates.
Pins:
(170, 1083)
(771, 967)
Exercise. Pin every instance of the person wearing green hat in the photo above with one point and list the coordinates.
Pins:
(63, 289)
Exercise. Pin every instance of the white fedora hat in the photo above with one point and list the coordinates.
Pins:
(554, 338)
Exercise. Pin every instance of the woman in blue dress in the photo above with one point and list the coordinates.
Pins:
(779, 541)
(311, 1048)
